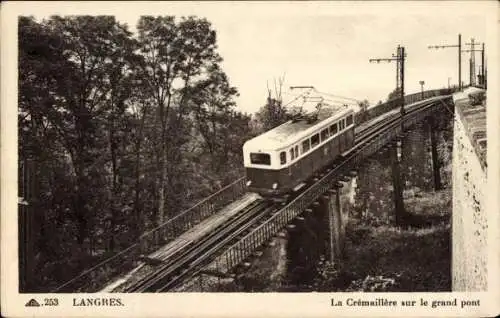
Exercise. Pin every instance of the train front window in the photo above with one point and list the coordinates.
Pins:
(260, 159)
(296, 151)
(349, 120)
(334, 129)
(305, 146)
(283, 157)
(315, 140)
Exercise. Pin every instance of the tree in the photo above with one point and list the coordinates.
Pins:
(395, 94)
(176, 56)
(273, 113)
(124, 131)
(41, 65)
(97, 48)
(363, 105)
(363, 110)
(213, 103)
(121, 82)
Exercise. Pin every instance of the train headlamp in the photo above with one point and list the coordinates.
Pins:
(275, 186)
(249, 182)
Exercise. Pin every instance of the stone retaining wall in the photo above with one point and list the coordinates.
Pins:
(469, 221)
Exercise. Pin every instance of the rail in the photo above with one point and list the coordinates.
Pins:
(363, 116)
(189, 258)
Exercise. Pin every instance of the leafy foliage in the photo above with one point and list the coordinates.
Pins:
(123, 130)
(273, 113)
(363, 110)
(395, 94)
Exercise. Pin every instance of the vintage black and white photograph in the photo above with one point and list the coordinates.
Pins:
(252, 150)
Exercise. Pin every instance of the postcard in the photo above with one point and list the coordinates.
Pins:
(250, 159)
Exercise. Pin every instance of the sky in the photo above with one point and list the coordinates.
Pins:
(327, 45)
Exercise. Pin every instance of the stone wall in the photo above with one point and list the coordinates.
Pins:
(469, 222)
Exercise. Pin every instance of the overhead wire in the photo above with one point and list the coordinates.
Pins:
(338, 96)
(343, 100)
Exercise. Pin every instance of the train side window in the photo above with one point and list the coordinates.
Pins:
(349, 120)
(333, 129)
(296, 151)
(314, 140)
(324, 134)
(283, 157)
(341, 124)
(292, 154)
(305, 146)
(260, 159)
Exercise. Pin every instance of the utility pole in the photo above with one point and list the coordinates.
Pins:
(472, 44)
(422, 87)
(485, 74)
(481, 69)
(483, 78)
(398, 69)
(399, 58)
(459, 46)
(471, 73)
(472, 66)
(449, 78)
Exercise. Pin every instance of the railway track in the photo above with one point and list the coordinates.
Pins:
(367, 132)
(191, 260)
(375, 130)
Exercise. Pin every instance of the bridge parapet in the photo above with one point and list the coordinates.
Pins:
(470, 106)
(372, 112)
(469, 221)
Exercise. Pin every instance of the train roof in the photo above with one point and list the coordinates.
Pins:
(293, 131)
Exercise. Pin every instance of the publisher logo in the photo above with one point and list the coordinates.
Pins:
(32, 303)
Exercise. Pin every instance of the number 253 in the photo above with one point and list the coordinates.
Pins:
(51, 302)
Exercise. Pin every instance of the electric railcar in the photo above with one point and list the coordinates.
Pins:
(280, 160)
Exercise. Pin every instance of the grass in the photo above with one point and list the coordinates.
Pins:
(417, 259)
(390, 258)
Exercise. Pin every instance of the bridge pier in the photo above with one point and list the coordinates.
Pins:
(397, 183)
(332, 210)
(434, 154)
(305, 243)
(311, 226)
